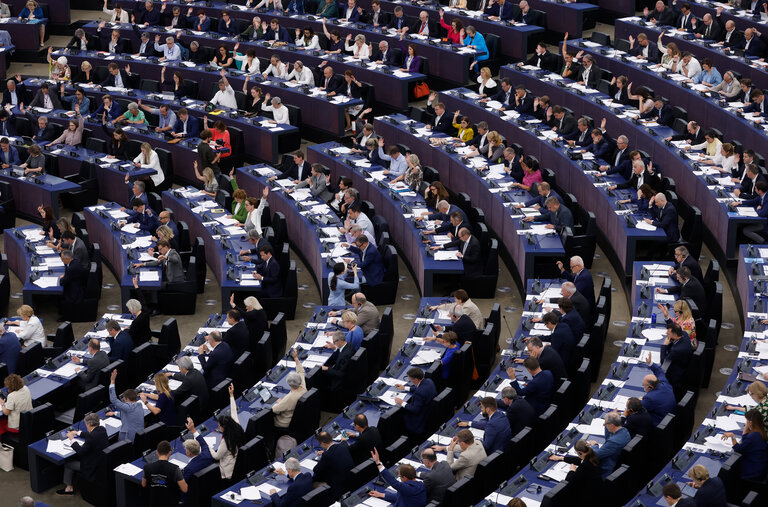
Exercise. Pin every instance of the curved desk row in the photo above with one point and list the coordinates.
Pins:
(706, 447)
(262, 142)
(527, 251)
(378, 411)
(31, 191)
(590, 188)
(223, 240)
(692, 188)
(541, 479)
(120, 248)
(396, 207)
(393, 91)
(324, 115)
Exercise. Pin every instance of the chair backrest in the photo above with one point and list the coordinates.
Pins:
(148, 438)
(279, 337)
(30, 359)
(251, 456)
(91, 400)
(169, 336)
(203, 485)
(306, 415)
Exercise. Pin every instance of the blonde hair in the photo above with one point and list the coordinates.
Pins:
(685, 310)
(349, 317)
(494, 137)
(486, 72)
(360, 37)
(165, 231)
(758, 389)
(161, 383)
(32, 3)
(86, 65)
(698, 473)
(146, 150)
(414, 159)
(25, 311)
(208, 174)
(253, 303)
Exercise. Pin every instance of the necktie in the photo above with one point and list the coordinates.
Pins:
(618, 157)
(423, 25)
(581, 137)
(326, 82)
(706, 33)
(640, 181)
(5, 130)
(561, 123)
(464, 248)
(6, 155)
(685, 20)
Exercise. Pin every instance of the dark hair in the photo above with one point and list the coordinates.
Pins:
(416, 373)
(591, 456)
(550, 318)
(531, 363)
(675, 328)
(361, 420)
(164, 448)
(672, 490)
(338, 269)
(130, 395)
(232, 433)
(565, 304)
(634, 405)
(68, 235)
(234, 314)
(324, 437)
(757, 422)
(265, 249)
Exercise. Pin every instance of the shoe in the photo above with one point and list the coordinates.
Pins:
(65, 492)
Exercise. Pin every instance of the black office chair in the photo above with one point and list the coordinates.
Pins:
(33, 425)
(306, 415)
(279, 337)
(180, 298)
(88, 194)
(8, 207)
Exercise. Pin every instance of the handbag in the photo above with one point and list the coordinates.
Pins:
(6, 458)
(421, 90)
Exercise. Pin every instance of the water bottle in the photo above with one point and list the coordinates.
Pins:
(653, 317)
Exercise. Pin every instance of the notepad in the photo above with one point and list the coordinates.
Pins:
(128, 469)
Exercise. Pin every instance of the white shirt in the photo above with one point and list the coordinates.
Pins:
(361, 52)
(225, 98)
(314, 43)
(154, 163)
(253, 68)
(694, 68)
(253, 220)
(113, 14)
(47, 101)
(280, 114)
(487, 86)
(281, 70)
(171, 54)
(119, 80)
(31, 331)
(304, 76)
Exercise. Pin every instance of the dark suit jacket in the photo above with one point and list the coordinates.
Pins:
(191, 383)
(415, 409)
(623, 160)
(692, 289)
(563, 341)
(583, 282)
(679, 355)
(297, 488)
(639, 423)
(362, 446)
(547, 61)
(337, 366)
(181, 23)
(561, 218)
(73, 282)
(538, 391)
(207, 156)
(237, 338)
(550, 360)
(292, 171)
(735, 38)
(472, 259)
(623, 95)
(200, 461)
(593, 78)
(664, 117)
(39, 101)
(120, 346)
(567, 126)
(391, 58)
(525, 105)
(754, 107)
(256, 321)
(507, 101)
(464, 328)
(283, 33)
(110, 80)
(693, 265)
(335, 84)
(438, 480)
(192, 126)
(333, 468)
(398, 23)
(756, 46)
(105, 37)
(667, 17)
(666, 218)
(140, 331)
(91, 451)
(271, 285)
(89, 378)
(520, 414)
(747, 5)
(583, 307)
(603, 149)
(696, 138)
(714, 30)
(91, 43)
(634, 180)
(748, 187)
(583, 483)
(217, 364)
(44, 135)
(582, 139)
(711, 493)
(653, 51)
(9, 350)
(443, 125)
(372, 264)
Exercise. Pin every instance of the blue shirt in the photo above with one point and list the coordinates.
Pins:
(609, 452)
(409, 493)
(336, 297)
(712, 77)
(479, 42)
(355, 337)
(130, 414)
(170, 54)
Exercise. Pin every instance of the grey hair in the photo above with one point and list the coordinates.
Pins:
(133, 306)
(292, 464)
(145, 35)
(613, 418)
(67, 254)
(578, 260)
(185, 363)
(623, 139)
(299, 63)
(509, 393)
(535, 341)
(356, 227)
(44, 118)
(92, 419)
(276, 100)
(338, 335)
(386, 44)
(79, 33)
(360, 298)
(194, 43)
(293, 380)
(252, 302)
(254, 234)
(552, 200)
(192, 446)
(27, 501)
(215, 336)
(169, 39)
(457, 311)
(443, 204)
(360, 37)
(569, 287)
(133, 106)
